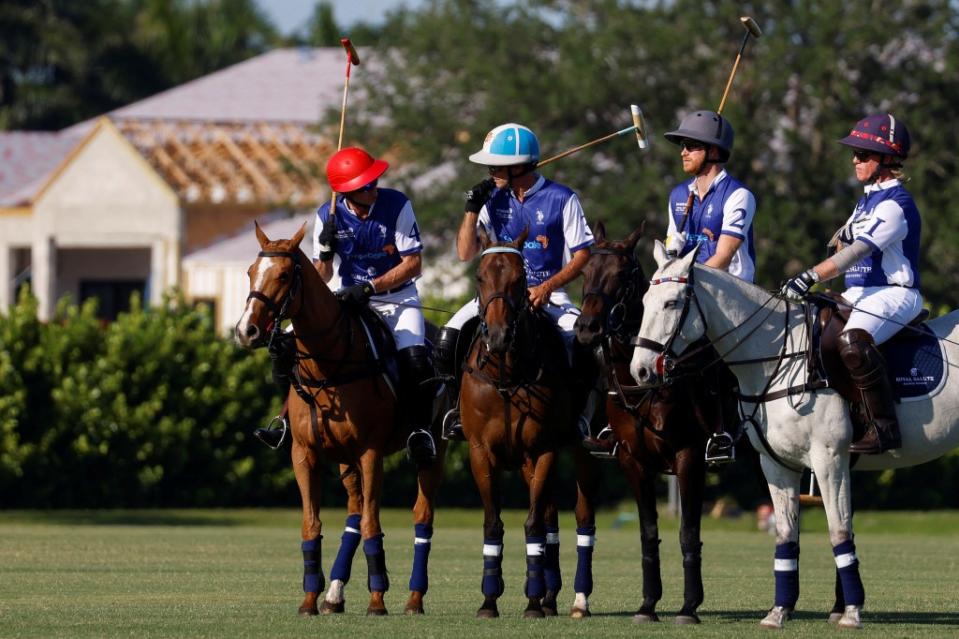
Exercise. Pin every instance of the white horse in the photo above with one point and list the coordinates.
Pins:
(803, 429)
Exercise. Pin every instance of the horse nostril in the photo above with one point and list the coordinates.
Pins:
(252, 330)
(642, 373)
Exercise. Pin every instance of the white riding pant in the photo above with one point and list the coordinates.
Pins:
(403, 314)
(882, 310)
(560, 309)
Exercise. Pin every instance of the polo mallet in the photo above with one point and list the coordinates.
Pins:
(752, 29)
(351, 59)
(639, 126)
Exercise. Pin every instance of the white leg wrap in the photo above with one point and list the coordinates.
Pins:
(335, 594)
(581, 602)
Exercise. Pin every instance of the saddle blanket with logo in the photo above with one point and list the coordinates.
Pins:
(916, 363)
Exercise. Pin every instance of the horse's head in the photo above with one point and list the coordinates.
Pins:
(669, 324)
(501, 291)
(612, 281)
(275, 286)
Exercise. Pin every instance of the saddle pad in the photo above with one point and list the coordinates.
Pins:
(916, 362)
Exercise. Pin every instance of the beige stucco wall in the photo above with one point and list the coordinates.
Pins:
(226, 284)
(104, 196)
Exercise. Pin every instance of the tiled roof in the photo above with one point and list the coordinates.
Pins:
(26, 161)
(283, 85)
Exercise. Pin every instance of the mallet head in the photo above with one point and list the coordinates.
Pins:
(351, 51)
(750, 25)
(640, 124)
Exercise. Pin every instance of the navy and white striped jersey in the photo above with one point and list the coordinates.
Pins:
(557, 226)
(727, 209)
(886, 218)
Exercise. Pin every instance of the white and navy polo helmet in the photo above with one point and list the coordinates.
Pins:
(508, 145)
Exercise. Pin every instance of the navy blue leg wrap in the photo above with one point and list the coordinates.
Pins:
(847, 565)
(312, 570)
(585, 540)
(554, 578)
(349, 542)
(693, 575)
(377, 580)
(419, 578)
(493, 585)
(535, 562)
(786, 569)
(652, 577)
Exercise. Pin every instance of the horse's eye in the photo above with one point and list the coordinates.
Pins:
(284, 277)
(479, 280)
(670, 305)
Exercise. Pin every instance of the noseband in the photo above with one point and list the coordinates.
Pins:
(279, 311)
(617, 307)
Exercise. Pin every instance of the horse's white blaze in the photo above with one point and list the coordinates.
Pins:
(335, 594)
(243, 324)
(808, 431)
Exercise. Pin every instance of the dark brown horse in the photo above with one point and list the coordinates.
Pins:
(342, 410)
(517, 411)
(655, 433)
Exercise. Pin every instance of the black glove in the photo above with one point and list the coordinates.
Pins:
(357, 294)
(797, 287)
(477, 196)
(327, 240)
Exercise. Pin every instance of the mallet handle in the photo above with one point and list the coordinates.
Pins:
(628, 129)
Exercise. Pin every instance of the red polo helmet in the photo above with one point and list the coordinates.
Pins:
(352, 168)
(881, 134)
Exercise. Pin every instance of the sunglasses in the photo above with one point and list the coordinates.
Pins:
(493, 170)
(863, 156)
(368, 187)
(691, 145)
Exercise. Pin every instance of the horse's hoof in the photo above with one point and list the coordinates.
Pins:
(776, 619)
(687, 620)
(549, 611)
(487, 613)
(533, 613)
(834, 617)
(308, 611)
(414, 610)
(579, 613)
(548, 604)
(645, 617)
(376, 612)
(327, 608)
(850, 619)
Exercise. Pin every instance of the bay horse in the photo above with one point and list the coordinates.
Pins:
(342, 409)
(517, 412)
(659, 431)
(765, 340)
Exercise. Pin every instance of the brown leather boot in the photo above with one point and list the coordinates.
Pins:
(862, 358)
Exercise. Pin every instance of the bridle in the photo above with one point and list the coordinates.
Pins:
(279, 311)
(516, 308)
(617, 308)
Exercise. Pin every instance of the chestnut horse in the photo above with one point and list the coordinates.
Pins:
(655, 433)
(517, 411)
(342, 409)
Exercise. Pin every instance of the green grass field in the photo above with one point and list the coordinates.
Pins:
(236, 573)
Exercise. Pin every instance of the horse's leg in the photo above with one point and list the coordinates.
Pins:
(691, 475)
(644, 490)
(832, 473)
(371, 465)
(784, 491)
(587, 477)
(551, 571)
(538, 473)
(484, 474)
(428, 481)
(334, 600)
(308, 480)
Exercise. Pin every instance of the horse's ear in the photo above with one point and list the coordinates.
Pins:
(298, 237)
(659, 254)
(518, 242)
(599, 231)
(483, 238)
(260, 235)
(634, 237)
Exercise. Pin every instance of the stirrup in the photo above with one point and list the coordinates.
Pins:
(420, 447)
(720, 449)
(603, 445)
(452, 426)
(268, 435)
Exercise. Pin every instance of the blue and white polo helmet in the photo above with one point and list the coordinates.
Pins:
(508, 145)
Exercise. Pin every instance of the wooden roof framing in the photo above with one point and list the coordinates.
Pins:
(270, 164)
